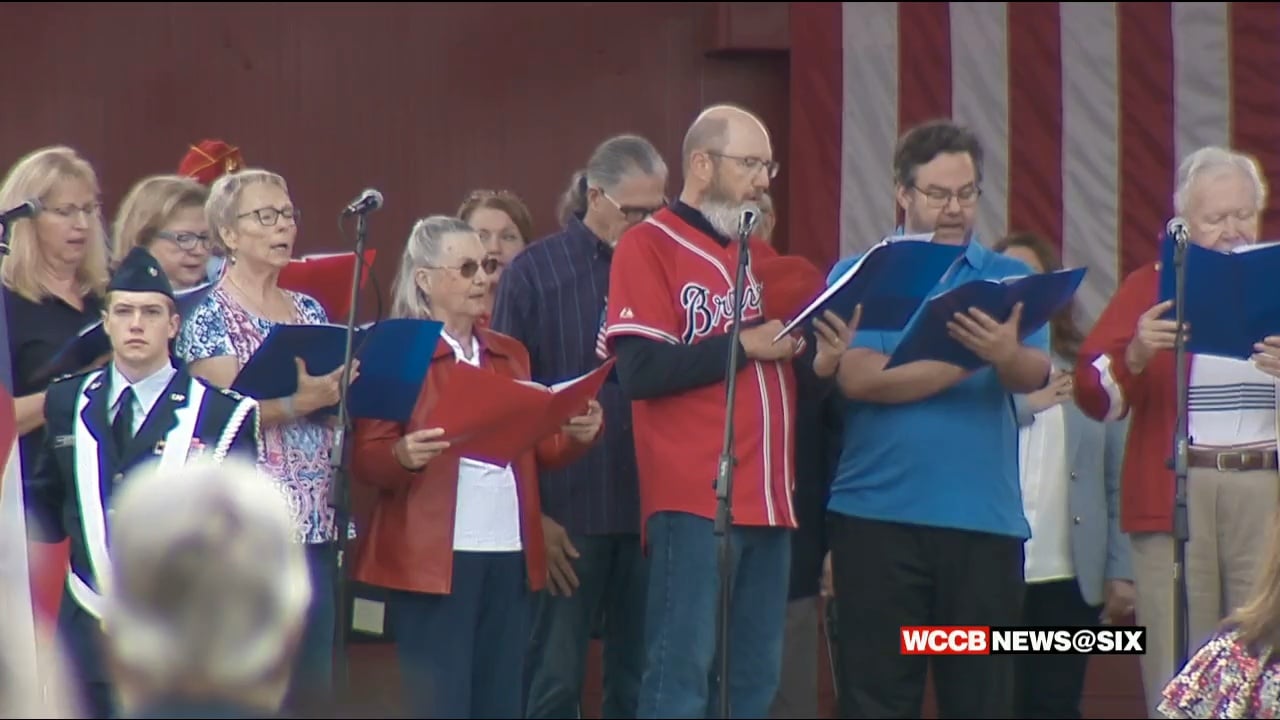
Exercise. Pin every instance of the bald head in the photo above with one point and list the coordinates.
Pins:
(719, 126)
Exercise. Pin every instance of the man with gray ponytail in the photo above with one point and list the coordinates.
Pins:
(552, 299)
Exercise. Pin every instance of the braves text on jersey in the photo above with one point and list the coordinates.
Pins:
(672, 283)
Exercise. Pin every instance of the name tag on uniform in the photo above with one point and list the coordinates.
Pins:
(62, 441)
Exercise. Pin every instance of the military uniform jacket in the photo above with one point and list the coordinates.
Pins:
(79, 466)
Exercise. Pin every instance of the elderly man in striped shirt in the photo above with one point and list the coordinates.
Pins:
(552, 299)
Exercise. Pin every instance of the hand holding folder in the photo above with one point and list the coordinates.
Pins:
(890, 282)
(394, 357)
(1230, 298)
(1040, 296)
(495, 419)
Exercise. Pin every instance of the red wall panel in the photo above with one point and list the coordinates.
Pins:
(423, 101)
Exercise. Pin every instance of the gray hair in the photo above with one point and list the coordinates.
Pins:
(613, 160)
(423, 248)
(207, 586)
(224, 196)
(1210, 160)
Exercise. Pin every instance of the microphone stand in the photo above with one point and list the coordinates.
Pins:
(340, 487)
(724, 477)
(1181, 527)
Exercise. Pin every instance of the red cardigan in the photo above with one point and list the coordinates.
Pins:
(406, 518)
(1106, 390)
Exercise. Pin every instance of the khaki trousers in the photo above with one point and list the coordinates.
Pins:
(1229, 516)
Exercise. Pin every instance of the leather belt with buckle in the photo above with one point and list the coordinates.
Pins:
(1233, 460)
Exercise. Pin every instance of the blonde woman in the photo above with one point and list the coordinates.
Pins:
(252, 215)
(165, 215)
(53, 283)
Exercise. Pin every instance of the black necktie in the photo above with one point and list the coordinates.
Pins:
(122, 428)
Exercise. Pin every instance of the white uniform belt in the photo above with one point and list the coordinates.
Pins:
(84, 595)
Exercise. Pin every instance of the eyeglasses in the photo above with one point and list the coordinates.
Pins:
(938, 197)
(634, 213)
(468, 268)
(89, 210)
(753, 164)
(268, 215)
(185, 240)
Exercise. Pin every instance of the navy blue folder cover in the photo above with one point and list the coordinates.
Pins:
(1231, 298)
(394, 357)
(92, 342)
(890, 281)
(1041, 296)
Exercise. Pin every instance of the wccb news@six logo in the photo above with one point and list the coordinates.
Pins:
(984, 640)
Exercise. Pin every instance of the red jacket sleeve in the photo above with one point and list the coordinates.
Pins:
(372, 462)
(1105, 389)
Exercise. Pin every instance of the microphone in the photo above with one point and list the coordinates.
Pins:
(368, 201)
(1177, 229)
(25, 210)
(747, 221)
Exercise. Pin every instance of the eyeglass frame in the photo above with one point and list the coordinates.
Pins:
(942, 197)
(192, 239)
(69, 211)
(490, 266)
(289, 213)
(751, 163)
(628, 211)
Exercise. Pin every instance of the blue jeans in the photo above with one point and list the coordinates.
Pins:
(611, 590)
(680, 625)
(461, 655)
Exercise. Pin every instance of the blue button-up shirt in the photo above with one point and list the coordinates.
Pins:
(552, 299)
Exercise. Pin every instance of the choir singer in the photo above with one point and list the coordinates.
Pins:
(457, 542)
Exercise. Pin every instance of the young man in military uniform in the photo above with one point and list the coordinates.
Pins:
(141, 407)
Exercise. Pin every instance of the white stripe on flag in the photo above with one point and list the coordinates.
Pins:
(17, 615)
(1201, 76)
(869, 124)
(980, 100)
(1091, 150)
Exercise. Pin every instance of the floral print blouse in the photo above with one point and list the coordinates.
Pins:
(1224, 680)
(296, 454)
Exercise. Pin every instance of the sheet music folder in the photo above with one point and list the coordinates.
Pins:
(890, 281)
(1041, 294)
(1231, 301)
(495, 419)
(394, 356)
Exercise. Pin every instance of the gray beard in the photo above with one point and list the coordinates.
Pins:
(724, 217)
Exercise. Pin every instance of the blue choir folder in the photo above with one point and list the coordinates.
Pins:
(1041, 296)
(890, 281)
(92, 343)
(1231, 300)
(394, 357)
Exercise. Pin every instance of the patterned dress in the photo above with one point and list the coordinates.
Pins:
(296, 454)
(1224, 680)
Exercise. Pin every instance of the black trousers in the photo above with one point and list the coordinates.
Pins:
(888, 575)
(1051, 686)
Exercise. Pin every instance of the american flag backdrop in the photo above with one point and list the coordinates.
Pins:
(1084, 111)
(17, 614)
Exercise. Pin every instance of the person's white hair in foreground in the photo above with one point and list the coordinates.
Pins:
(208, 593)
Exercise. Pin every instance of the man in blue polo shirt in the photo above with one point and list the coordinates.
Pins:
(926, 525)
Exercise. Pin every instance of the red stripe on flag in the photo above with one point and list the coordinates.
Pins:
(1147, 162)
(1035, 120)
(817, 112)
(1255, 95)
(924, 62)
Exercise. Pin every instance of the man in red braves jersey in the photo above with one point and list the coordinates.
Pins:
(668, 322)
